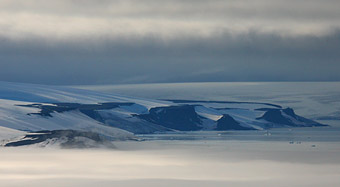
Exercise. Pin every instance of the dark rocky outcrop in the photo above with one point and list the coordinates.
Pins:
(226, 122)
(287, 117)
(182, 117)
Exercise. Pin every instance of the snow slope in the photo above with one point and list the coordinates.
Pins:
(53, 94)
(7, 133)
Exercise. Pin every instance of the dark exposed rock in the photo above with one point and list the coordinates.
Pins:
(226, 122)
(287, 117)
(183, 117)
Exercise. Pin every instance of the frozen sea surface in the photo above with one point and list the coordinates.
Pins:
(292, 135)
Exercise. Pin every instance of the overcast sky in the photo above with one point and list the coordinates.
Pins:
(142, 41)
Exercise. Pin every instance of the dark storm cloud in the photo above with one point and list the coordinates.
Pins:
(114, 41)
(247, 57)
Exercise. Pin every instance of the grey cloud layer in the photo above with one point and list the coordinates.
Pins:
(97, 42)
(65, 18)
(247, 57)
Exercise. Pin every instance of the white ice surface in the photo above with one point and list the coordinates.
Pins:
(208, 113)
(51, 94)
(15, 117)
(7, 133)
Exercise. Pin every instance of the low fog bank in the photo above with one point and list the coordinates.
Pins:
(180, 183)
(176, 163)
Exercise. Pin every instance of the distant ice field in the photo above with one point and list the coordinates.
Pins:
(291, 136)
(315, 100)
